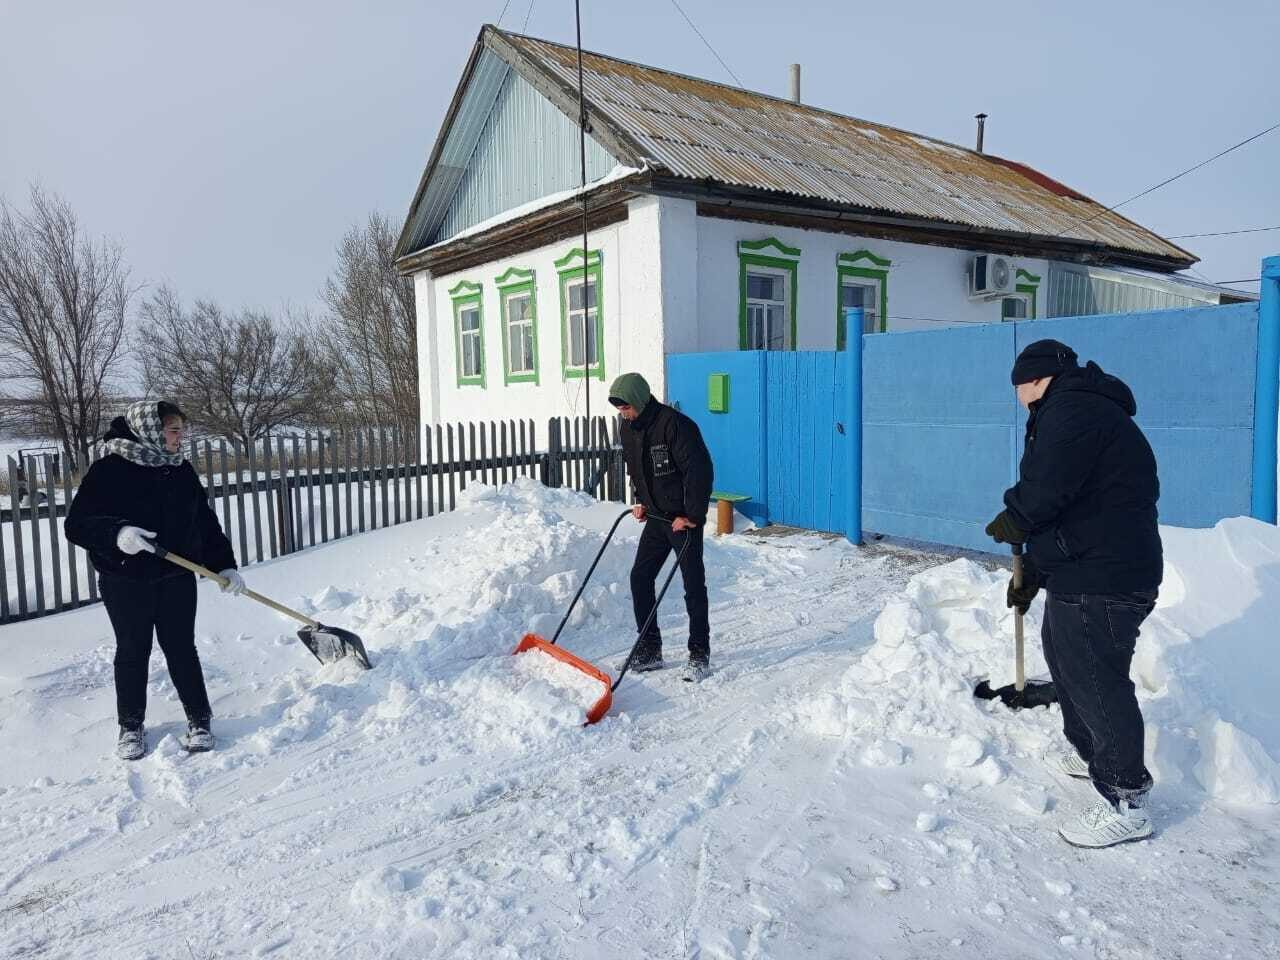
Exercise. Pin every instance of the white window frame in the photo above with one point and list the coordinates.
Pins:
(870, 315)
(1024, 299)
(784, 306)
(526, 325)
(582, 315)
(471, 338)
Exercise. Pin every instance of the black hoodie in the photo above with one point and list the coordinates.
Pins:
(1087, 488)
(170, 501)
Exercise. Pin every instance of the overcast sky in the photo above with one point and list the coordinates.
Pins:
(228, 146)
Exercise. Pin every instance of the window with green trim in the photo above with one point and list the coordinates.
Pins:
(581, 316)
(862, 280)
(468, 329)
(1028, 284)
(1015, 308)
(518, 306)
(767, 295)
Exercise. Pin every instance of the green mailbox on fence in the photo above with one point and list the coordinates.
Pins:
(718, 393)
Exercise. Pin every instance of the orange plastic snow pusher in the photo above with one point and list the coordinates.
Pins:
(532, 641)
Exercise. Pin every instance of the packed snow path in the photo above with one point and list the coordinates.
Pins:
(833, 790)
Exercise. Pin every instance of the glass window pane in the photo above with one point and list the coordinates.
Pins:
(526, 352)
(517, 308)
(1013, 308)
(575, 296)
(761, 286)
(591, 294)
(470, 319)
(575, 340)
(777, 335)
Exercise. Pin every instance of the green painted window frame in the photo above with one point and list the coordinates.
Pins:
(754, 253)
(855, 265)
(1030, 287)
(467, 294)
(569, 272)
(514, 283)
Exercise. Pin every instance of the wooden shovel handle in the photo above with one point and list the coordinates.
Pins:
(1020, 676)
(222, 582)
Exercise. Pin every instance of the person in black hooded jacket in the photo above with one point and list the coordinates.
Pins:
(141, 489)
(671, 472)
(1085, 506)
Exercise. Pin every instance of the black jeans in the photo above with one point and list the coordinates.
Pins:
(656, 542)
(1088, 644)
(167, 607)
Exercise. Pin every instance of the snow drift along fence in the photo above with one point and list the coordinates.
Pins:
(289, 492)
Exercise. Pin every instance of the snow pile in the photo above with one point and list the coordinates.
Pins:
(832, 790)
(1205, 669)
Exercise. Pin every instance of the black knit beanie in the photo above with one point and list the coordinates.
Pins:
(1044, 358)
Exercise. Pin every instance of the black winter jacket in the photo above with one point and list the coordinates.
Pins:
(1087, 488)
(168, 500)
(668, 462)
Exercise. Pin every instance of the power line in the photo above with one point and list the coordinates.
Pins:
(1221, 233)
(503, 13)
(707, 42)
(1178, 176)
(1226, 283)
(528, 14)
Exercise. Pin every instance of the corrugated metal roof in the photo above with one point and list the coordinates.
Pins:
(701, 130)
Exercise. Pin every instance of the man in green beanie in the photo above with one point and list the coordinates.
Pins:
(671, 474)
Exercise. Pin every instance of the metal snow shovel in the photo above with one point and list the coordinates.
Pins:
(1018, 694)
(329, 644)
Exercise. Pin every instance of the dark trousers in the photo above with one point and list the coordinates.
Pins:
(167, 607)
(656, 543)
(1088, 644)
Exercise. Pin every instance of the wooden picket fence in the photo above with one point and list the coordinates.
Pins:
(288, 492)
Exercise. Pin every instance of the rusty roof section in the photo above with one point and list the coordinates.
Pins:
(705, 131)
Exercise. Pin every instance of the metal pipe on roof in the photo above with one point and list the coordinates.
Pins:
(982, 123)
(795, 83)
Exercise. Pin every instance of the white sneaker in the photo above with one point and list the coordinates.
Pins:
(695, 671)
(1073, 765)
(198, 738)
(132, 743)
(1103, 825)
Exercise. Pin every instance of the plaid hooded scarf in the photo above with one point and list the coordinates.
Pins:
(143, 418)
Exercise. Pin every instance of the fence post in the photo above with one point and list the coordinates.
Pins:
(15, 515)
(1266, 397)
(553, 453)
(33, 511)
(853, 421)
(51, 499)
(72, 573)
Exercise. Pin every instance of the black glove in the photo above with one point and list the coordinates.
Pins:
(1003, 530)
(1021, 597)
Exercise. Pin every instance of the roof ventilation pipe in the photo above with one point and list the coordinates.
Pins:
(795, 83)
(982, 123)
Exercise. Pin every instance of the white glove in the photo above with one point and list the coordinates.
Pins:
(133, 540)
(235, 583)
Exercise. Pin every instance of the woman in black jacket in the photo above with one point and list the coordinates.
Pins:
(143, 489)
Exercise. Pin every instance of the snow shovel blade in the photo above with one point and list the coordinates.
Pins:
(331, 644)
(1034, 694)
(532, 641)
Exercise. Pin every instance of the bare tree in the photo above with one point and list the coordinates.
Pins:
(239, 376)
(370, 338)
(64, 300)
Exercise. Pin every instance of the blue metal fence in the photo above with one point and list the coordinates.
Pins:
(940, 431)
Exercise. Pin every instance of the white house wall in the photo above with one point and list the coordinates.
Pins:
(633, 337)
(927, 285)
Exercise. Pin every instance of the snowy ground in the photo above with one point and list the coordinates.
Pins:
(832, 791)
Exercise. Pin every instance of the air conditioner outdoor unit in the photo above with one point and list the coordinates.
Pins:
(990, 276)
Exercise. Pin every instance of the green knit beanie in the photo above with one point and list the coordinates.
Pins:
(631, 388)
